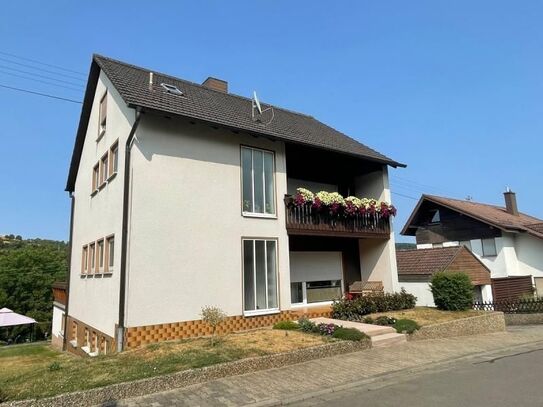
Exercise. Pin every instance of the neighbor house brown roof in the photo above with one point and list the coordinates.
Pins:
(493, 215)
(212, 106)
(426, 262)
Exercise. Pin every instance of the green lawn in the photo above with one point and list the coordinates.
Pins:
(37, 370)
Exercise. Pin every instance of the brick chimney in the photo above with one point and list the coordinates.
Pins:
(216, 84)
(511, 202)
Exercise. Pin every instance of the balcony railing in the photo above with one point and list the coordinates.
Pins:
(304, 220)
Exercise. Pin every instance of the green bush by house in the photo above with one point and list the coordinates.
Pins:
(349, 334)
(353, 309)
(286, 325)
(406, 325)
(452, 291)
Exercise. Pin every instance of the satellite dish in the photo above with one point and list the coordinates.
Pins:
(257, 103)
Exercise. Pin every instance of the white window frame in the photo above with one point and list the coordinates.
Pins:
(304, 303)
(258, 214)
(267, 311)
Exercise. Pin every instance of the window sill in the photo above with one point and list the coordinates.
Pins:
(259, 215)
(111, 177)
(93, 193)
(261, 312)
(102, 185)
(73, 343)
(311, 304)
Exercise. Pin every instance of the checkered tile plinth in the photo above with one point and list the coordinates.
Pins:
(142, 335)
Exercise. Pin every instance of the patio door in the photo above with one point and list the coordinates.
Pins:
(316, 277)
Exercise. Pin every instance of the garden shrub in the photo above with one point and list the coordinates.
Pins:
(286, 325)
(213, 316)
(368, 320)
(352, 309)
(307, 326)
(452, 291)
(349, 334)
(406, 325)
(385, 321)
(327, 329)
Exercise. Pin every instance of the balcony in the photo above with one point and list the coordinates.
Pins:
(304, 220)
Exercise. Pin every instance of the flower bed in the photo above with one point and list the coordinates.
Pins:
(335, 204)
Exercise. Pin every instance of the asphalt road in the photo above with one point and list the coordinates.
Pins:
(511, 379)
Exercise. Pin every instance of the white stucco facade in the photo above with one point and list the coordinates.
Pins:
(94, 299)
(185, 223)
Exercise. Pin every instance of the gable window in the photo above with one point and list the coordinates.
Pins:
(258, 191)
(95, 177)
(110, 254)
(114, 158)
(489, 247)
(92, 257)
(104, 169)
(260, 276)
(100, 254)
(85, 260)
(436, 216)
(102, 116)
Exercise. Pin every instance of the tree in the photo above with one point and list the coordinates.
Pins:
(213, 316)
(27, 271)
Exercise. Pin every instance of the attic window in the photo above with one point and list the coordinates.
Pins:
(171, 89)
(436, 217)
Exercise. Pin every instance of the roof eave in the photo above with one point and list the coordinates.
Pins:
(92, 81)
(391, 163)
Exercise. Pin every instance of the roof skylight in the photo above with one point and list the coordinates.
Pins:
(174, 90)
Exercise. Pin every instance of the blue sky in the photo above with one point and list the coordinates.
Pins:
(453, 89)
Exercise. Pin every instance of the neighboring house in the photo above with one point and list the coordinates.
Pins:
(508, 243)
(178, 202)
(416, 268)
(59, 314)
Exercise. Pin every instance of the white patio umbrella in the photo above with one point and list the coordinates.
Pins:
(10, 318)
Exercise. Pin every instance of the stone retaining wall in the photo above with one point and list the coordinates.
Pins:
(481, 324)
(523, 319)
(188, 377)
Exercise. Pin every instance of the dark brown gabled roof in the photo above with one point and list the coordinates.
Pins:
(493, 215)
(426, 261)
(225, 109)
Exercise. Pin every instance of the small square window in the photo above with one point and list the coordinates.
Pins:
(100, 254)
(110, 254)
(114, 158)
(85, 260)
(102, 116)
(489, 247)
(92, 257)
(95, 177)
(104, 166)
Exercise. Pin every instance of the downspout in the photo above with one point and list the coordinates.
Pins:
(124, 231)
(65, 337)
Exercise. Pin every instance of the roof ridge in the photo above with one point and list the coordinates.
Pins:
(141, 68)
(502, 208)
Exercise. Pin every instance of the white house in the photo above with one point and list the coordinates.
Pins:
(509, 243)
(180, 199)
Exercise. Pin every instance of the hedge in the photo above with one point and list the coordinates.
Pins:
(354, 309)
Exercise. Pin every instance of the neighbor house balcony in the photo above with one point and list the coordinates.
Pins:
(305, 220)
